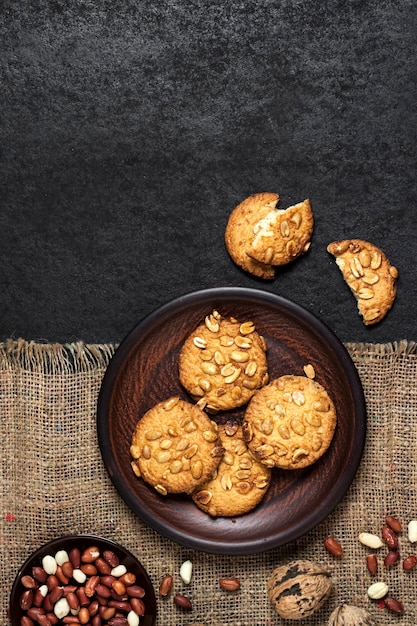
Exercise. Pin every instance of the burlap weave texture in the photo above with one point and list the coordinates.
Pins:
(53, 482)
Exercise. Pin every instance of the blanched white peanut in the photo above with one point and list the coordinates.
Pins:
(378, 590)
(61, 557)
(118, 571)
(49, 564)
(133, 618)
(79, 576)
(61, 608)
(370, 540)
(412, 531)
(186, 571)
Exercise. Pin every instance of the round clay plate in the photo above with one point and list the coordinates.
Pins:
(144, 371)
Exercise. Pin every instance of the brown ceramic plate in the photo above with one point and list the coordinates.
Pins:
(144, 371)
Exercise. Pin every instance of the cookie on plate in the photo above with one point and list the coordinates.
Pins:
(175, 447)
(290, 422)
(239, 232)
(282, 235)
(223, 362)
(240, 481)
(369, 274)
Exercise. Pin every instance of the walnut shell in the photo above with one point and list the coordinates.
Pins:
(299, 589)
(348, 615)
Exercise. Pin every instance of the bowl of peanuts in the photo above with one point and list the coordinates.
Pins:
(82, 579)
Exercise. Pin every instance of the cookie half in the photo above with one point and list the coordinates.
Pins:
(369, 274)
(223, 362)
(290, 422)
(240, 481)
(282, 235)
(175, 447)
(239, 232)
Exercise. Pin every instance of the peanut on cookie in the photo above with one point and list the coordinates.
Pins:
(223, 362)
(369, 274)
(175, 447)
(240, 481)
(260, 237)
(290, 422)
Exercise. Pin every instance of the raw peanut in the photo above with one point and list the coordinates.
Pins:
(128, 579)
(82, 598)
(390, 538)
(106, 612)
(89, 569)
(370, 540)
(135, 591)
(90, 554)
(120, 605)
(79, 576)
(34, 613)
(165, 585)
(52, 618)
(183, 602)
(49, 564)
(70, 619)
(138, 606)
(52, 582)
(67, 569)
(378, 590)
(409, 563)
(29, 582)
(69, 588)
(102, 566)
(118, 571)
(393, 523)
(394, 605)
(91, 585)
(75, 558)
(56, 594)
(119, 588)
(133, 618)
(43, 620)
(186, 571)
(61, 608)
(229, 584)
(107, 580)
(111, 558)
(64, 580)
(39, 574)
(412, 531)
(26, 621)
(333, 546)
(61, 556)
(84, 615)
(391, 558)
(38, 597)
(372, 563)
(26, 599)
(117, 620)
(103, 591)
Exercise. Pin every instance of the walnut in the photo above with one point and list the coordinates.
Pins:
(348, 615)
(299, 589)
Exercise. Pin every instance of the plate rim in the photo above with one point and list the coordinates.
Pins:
(341, 486)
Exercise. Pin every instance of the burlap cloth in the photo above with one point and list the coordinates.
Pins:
(53, 482)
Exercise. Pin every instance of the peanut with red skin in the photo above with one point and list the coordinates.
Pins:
(409, 563)
(393, 523)
(333, 546)
(394, 605)
(372, 563)
(391, 558)
(389, 537)
(183, 602)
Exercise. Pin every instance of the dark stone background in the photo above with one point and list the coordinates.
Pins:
(130, 130)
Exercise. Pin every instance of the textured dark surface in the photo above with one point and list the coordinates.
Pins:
(130, 130)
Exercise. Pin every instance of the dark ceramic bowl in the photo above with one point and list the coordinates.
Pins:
(144, 371)
(82, 542)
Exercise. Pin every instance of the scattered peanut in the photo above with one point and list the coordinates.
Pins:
(394, 605)
(409, 563)
(370, 540)
(333, 546)
(391, 558)
(412, 531)
(186, 571)
(229, 584)
(377, 590)
(165, 585)
(372, 563)
(389, 537)
(183, 602)
(393, 523)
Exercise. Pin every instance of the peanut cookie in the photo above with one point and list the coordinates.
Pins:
(175, 447)
(239, 483)
(223, 362)
(282, 235)
(290, 422)
(239, 232)
(369, 274)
